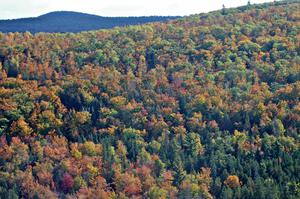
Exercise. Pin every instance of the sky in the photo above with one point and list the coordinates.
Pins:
(12, 9)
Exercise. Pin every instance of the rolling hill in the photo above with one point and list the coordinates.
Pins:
(205, 106)
(65, 21)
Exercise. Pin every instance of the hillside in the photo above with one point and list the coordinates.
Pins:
(64, 21)
(205, 106)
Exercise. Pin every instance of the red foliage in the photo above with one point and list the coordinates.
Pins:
(67, 182)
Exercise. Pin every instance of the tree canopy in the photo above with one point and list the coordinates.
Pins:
(206, 106)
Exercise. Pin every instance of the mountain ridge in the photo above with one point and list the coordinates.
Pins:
(70, 21)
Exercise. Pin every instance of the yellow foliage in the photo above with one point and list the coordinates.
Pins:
(179, 130)
(90, 148)
(21, 127)
(75, 152)
(232, 181)
(118, 101)
(83, 117)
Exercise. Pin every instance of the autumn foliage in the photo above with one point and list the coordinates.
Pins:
(206, 106)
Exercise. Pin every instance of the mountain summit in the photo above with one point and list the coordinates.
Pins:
(67, 21)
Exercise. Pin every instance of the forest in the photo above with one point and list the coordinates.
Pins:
(205, 106)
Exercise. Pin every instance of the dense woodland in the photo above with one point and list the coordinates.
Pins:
(206, 106)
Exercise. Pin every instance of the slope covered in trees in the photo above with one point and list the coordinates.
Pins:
(206, 106)
(65, 21)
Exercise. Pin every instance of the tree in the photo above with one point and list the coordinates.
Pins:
(20, 127)
(128, 183)
(223, 10)
(196, 186)
(192, 144)
(278, 127)
(232, 181)
(157, 193)
(67, 182)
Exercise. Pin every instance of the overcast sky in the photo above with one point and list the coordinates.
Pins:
(10, 9)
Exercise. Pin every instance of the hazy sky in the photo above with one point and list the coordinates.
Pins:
(30, 8)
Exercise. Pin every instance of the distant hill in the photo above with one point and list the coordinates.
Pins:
(65, 21)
